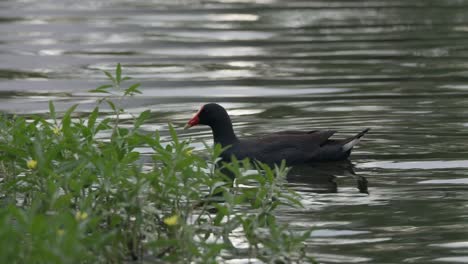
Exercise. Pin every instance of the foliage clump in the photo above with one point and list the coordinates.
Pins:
(75, 190)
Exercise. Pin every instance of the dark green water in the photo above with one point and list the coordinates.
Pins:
(398, 67)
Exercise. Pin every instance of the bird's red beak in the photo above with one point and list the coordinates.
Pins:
(194, 121)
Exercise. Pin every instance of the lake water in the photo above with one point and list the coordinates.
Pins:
(397, 67)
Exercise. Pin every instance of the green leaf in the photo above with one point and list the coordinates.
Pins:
(131, 157)
(103, 87)
(99, 91)
(8, 149)
(222, 211)
(133, 89)
(66, 120)
(215, 186)
(173, 133)
(109, 75)
(103, 125)
(142, 118)
(118, 73)
(112, 105)
(161, 243)
(52, 110)
(93, 117)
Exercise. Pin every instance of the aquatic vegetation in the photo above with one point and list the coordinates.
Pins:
(71, 195)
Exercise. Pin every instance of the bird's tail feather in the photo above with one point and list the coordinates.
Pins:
(354, 140)
(362, 133)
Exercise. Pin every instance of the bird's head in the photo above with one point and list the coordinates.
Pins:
(209, 114)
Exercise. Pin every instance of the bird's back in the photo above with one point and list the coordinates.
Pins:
(295, 147)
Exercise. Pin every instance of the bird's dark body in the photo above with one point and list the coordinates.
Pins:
(294, 147)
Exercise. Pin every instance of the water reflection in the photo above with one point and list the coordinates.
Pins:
(396, 66)
(321, 177)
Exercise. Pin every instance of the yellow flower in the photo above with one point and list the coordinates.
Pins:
(188, 152)
(56, 130)
(60, 232)
(80, 216)
(32, 164)
(171, 220)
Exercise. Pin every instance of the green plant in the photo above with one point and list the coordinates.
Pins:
(75, 190)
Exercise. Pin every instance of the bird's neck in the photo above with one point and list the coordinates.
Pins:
(223, 133)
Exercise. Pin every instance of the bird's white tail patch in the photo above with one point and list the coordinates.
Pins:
(350, 144)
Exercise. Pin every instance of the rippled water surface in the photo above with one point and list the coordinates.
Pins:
(397, 67)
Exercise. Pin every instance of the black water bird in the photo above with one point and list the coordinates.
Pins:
(295, 147)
